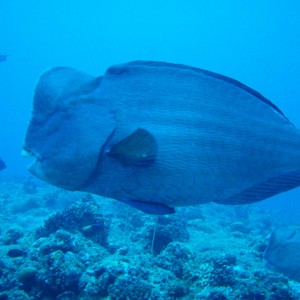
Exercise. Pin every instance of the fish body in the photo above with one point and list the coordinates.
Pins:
(159, 133)
(3, 57)
(2, 165)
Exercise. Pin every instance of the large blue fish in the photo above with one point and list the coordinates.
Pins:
(158, 135)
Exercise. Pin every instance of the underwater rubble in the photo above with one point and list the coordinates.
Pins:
(78, 246)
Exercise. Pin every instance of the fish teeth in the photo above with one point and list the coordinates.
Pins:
(26, 153)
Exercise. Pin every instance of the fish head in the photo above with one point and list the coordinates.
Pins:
(283, 251)
(63, 137)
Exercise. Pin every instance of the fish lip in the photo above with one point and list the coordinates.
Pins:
(29, 153)
(36, 167)
(34, 162)
(26, 153)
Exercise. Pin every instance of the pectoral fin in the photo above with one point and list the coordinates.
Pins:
(138, 148)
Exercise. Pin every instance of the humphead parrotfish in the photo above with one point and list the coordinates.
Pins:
(283, 252)
(158, 135)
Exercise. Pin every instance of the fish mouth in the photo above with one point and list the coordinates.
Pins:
(31, 154)
(35, 167)
(27, 153)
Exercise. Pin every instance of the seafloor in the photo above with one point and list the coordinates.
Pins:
(62, 245)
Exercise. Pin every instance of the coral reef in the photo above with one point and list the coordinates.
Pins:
(84, 216)
(110, 251)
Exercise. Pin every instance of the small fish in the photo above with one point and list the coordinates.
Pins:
(283, 252)
(3, 57)
(2, 165)
(160, 135)
(95, 226)
(14, 252)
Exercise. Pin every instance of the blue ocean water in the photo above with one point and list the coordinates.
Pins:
(255, 42)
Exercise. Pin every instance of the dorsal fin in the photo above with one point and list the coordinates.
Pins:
(157, 64)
